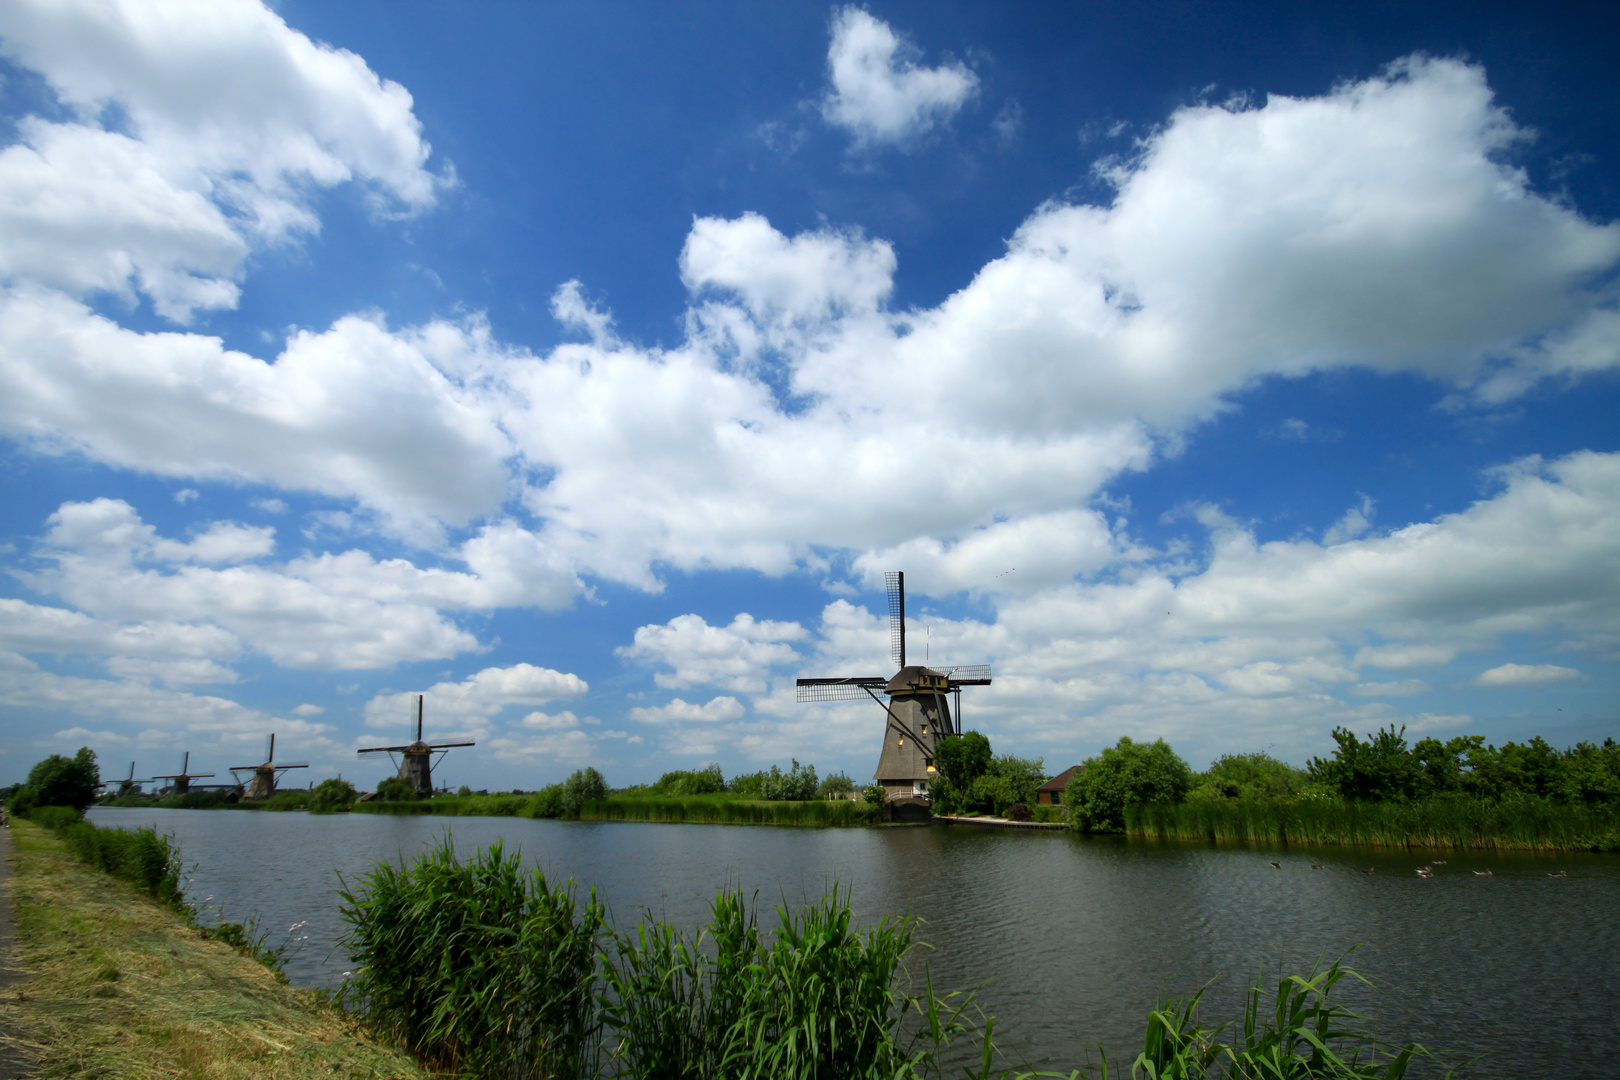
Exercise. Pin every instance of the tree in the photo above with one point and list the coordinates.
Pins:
(798, 783)
(1009, 781)
(332, 795)
(959, 760)
(835, 784)
(396, 789)
(1252, 777)
(1122, 775)
(1382, 768)
(60, 781)
(585, 785)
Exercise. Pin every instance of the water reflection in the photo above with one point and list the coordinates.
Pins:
(1071, 938)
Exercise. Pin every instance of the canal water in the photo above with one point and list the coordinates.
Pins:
(1069, 939)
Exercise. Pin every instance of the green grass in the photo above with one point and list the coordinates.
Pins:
(1446, 822)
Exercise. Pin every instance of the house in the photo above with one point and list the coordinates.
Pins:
(1051, 792)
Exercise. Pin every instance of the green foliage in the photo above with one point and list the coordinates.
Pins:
(1129, 773)
(1009, 781)
(545, 803)
(1385, 769)
(1521, 821)
(959, 761)
(291, 799)
(463, 791)
(475, 967)
(731, 811)
(682, 783)
(210, 799)
(143, 857)
(797, 784)
(56, 817)
(835, 784)
(1249, 777)
(875, 795)
(332, 795)
(582, 786)
(396, 789)
(748, 785)
(59, 781)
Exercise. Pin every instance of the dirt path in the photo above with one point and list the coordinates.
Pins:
(15, 1062)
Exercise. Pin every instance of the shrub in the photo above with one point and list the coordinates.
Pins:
(396, 789)
(59, 781)
(797, 784)
(55, 817)
(1249, 777)
(748, 785)
(959, 761)
(1124, 774)
(463, 791)
(580, 788)
(545, 803)
(332, 795)
(683, 783)
(876, 794)
(1018, 812)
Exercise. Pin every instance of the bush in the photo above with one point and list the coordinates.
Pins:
(684, 783)
(55, 817)
(545, 803)
(1018, 812)
(463, 791)
(396, 789)
(1249, 777)
(876, 794)
(1125, 774)
(583, 786)
(331, 796)
(748, 785)
(797, 784)
(959, 761)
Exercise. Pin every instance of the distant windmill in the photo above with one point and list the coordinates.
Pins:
(129, 784)
(416, 759)
(183, 778)
(918, 714)
(263, 784)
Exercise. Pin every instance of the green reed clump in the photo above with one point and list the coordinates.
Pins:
(721, 809)
(143, 857)
(475, 967)
(1524, 822)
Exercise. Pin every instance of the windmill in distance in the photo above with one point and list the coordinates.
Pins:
(263, 784)
(918, 711)
(129, 784)
(416, 759)
(182, 779)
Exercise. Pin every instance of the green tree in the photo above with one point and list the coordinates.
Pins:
(682, 782)
(1125, 774)
(1253, 777)
(1381, 769)
(332, 795)
(959, 760)
(1590, 774)
(748, 785)
(396, 789)
(583, 786)
(835, 784)
(60, 781)
(797, 784)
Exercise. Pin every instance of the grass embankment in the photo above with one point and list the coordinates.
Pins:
(705, 809)
(1450, 822)
(122, 985)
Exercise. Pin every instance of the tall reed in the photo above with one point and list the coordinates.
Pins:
(731, 811)
(144, 857)
(1524, 822)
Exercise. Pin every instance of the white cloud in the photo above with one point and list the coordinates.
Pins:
(173, 673)
(1402, 656)
(309, 710)
(471, 702)
(736, 657)
(1401, 688)
(715, 710)
(879, 92)
(229, 117)
(1527, 675)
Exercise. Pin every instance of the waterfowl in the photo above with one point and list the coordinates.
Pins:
(1484, 873)
(1560, 874)
(1316, 866)
(1370, 870)
(1277, 865)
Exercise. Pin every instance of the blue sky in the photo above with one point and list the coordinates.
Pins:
(1224, 376)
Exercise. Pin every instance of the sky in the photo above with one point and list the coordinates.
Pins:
(1218, 373)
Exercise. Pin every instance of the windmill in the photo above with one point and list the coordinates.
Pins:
(183, 778)
(128, 784)
(918, 712)
(263, 784)
(416, 759)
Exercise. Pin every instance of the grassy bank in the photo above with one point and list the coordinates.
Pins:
(122, 985)
(1446, 822)
(705, 809)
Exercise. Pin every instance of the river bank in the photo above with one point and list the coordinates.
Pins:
(695, 809)
(120, 985)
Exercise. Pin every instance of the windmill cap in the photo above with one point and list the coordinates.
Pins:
(917, 679)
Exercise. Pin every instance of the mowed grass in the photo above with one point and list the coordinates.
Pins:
(1453, 822)
(121, 987)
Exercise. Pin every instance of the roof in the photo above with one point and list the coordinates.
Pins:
(1061, 780)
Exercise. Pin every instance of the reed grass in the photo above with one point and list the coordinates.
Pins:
(720, 809)
(1525, 823)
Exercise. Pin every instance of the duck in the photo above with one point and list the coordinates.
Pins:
(1560, 874)
(1277, 865)
(1438, 862)
(1316, 866)
(1484, 873)
(1424, 871)
(1370, 870)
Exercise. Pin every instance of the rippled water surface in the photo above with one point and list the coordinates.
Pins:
(1072, 938)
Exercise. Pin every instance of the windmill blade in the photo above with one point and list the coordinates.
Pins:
(292, 765)
(383, 750)
(448, 745)
(894, 583)
(270, 749)
(837, 689)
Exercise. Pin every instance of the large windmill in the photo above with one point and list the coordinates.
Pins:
(183, 778)
(263, 784)
(918, 710)
(416, 759)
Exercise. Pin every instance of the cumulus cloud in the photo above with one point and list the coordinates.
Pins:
(470, 703)
(879, 92)
(735, 657)
(715, 710)
(229, 117)
(1527, 675)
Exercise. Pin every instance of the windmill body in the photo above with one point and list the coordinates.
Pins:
(416, 758)
(183, 778)
(916, 702)
(262, 785)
